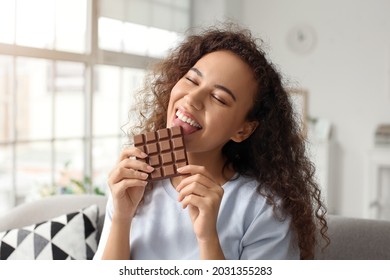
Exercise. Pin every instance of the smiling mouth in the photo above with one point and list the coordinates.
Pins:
(181, 116)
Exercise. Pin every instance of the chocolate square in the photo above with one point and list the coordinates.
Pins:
(166, 151)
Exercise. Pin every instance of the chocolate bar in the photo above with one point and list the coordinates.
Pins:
(166, 151)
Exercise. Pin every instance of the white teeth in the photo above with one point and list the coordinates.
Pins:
(186, 119)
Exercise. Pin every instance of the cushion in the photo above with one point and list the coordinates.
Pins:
(66, 237)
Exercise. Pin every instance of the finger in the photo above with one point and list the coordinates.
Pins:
(199, 178)
(130, 170)
(131, 152)
(136, 165)
(204, 204)
(194, 169)
(192, 200)
(214, 196)
(131, 183)
(119, 189)
(193, 188)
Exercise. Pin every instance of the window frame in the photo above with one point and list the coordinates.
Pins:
(93, 57)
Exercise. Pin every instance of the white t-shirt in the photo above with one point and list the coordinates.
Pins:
(247, 227)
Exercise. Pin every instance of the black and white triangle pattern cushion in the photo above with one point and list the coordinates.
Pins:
(67, 237)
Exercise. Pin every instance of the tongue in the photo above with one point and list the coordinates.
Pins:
(187, 128)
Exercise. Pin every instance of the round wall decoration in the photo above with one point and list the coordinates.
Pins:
(301, 39)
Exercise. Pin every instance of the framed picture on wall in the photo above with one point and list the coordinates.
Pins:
(298, 97)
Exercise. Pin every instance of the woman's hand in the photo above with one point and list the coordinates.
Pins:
(202, 195)
(127, 182)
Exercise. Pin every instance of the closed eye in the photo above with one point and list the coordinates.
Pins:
(191, 81)
(218, 99)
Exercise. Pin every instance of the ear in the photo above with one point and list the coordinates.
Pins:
(245, 131)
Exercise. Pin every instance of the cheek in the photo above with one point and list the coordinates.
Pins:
(170, 106)
(230, 123)
(171, 103)
(173, 97)
(231, 118)
(223, 124)
(176, 93)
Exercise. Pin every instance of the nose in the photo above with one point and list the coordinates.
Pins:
(195, 99)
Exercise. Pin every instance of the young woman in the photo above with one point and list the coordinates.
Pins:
(248, 191)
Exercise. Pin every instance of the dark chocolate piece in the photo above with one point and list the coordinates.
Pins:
(166, 151)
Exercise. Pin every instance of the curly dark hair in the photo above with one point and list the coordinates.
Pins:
(274, 154)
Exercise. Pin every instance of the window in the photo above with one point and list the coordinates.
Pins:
(68, 72)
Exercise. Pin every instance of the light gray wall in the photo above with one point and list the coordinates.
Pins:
(347, 71)
(209, 12)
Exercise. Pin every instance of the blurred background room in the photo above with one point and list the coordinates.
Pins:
(69, 70)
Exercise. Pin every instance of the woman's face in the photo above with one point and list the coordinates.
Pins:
(210, 102)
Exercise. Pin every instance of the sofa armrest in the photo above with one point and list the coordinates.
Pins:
(356, 239)
(50, 207)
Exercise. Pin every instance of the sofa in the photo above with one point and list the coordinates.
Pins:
(57, 227)
(351, 238)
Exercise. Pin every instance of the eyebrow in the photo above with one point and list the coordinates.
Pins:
(225, 89)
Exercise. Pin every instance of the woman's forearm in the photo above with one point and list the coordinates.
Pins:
(211, 250)
(118, 242)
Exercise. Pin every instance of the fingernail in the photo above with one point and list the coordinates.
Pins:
(143, 155)
(149, 168)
